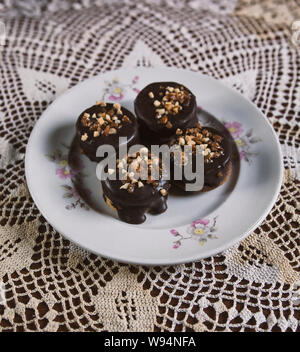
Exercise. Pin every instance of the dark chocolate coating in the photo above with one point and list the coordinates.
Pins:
(150, 130)
(218, 165)
(132, 207)
(215, 172)
(89, 147)
(149, 137)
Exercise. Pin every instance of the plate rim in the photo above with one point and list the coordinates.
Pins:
(149, 262)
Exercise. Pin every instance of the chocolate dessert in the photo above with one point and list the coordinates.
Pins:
(161, 108)
(216, 149)
(104, 123)
(135, 191)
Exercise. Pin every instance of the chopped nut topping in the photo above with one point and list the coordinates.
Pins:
(164, 120)
(160, 111)
(84, 137)
(125, 186)
(117, 106)
(181, 141)
(208, 141)
(126, 119)
(101, 121)
(171, 101)
(106, 119)
(112, 131)
(106, 130)
(140, 168)
(190, 142)
(217, 138)
(163, 192)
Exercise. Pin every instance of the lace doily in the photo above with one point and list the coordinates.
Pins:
(52, 285)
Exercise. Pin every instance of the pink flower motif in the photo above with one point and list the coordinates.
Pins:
(65, 173)
(176, 245)
(174, 232)
(242, 155)
(204, 222)
(116, 97)
(135, 78)
(235, 128)
(136, 90)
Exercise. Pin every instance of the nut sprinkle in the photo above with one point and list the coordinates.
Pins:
(106, 121)
(168, 102)
(210, 142)
(140, 169)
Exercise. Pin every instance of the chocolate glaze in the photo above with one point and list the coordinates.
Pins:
(153, 133)
(89, 147)
(215, 172)
(131, 207)
(150, 137)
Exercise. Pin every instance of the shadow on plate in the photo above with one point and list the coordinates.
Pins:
(208, 120)
(84, 180)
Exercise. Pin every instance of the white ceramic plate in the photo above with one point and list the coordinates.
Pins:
(194, 226)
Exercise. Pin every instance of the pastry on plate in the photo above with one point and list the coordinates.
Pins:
(135, 190)
(163, 107)
(104, 123)
(216, 148)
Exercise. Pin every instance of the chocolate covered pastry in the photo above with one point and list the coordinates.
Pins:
(216, 149)
(104, 123)
(161, 108)
(136, 192)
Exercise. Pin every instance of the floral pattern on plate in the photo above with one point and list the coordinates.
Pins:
(243, 139)
(67, 173)
(115, 90)
(200, 230)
